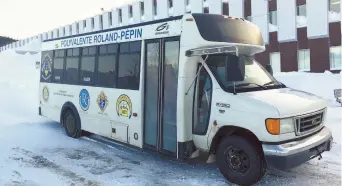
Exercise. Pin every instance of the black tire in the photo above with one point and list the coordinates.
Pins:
(72, 124)
(247, 173)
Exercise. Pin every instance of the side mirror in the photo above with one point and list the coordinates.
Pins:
(269, 69)
(235, 68)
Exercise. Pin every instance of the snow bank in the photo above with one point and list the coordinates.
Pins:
(320, 84)
(18, 67)
(19, 70)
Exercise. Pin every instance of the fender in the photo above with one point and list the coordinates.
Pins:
(228, 130)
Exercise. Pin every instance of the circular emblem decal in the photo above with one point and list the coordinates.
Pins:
(102, 101)
(46, 67)
(45, 94)
(84, 100)
(124, 106)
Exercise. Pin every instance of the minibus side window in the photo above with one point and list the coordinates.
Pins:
(203, 93)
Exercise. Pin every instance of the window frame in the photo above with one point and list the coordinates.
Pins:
(299, 8)
(142, 8)
(330, 11)
(199, 65)
(115, 64)
(132, 50)
(330, 5)
(78, 57)
(330, 55)
(128, 53)
(270, 17)
(61, 81)
(271, 57)
(305, 55)
(110, 18)
(94, 80)
(92, 23)
(41, 79)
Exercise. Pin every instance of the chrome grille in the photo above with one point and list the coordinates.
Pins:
(309, 123)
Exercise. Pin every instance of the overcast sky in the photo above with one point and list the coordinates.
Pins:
(25, 18)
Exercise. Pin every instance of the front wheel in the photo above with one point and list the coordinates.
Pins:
(240, 161)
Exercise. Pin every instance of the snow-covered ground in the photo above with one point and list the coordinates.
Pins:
(35, 151)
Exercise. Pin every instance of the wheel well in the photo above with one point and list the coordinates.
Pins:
(232, 130)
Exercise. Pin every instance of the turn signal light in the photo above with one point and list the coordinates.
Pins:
(273, 126)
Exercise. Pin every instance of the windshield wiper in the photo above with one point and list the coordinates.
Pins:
(274, 83)
(247, 84)
(269, 83)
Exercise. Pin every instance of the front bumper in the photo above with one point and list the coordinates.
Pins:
(289, 155)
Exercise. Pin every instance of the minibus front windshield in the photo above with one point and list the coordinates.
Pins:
(256, 77)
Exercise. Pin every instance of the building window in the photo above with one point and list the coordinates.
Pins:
(170, 3)
(120, 15)
(155, 11)
(273, 17)
(92, 23)
(301, 16)
(275, 62)
(206, 10)
(301, 10)
(334, 11)
(142, 8)
(77, 28)
(334, 6)
(110, 18)
(84, 23)
(304, 60)
(335, 58)
(225, 8)
(130, 11)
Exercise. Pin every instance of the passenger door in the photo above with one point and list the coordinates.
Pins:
(160, 102)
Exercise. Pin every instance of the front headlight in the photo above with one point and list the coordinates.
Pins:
(280, 126)
(324, 115)
(287, 125)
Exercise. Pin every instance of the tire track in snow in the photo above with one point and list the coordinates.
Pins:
(37, 161)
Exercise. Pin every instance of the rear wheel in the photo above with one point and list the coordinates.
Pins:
(72, 124)
(240, 161)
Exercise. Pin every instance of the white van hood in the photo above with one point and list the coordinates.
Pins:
(289, 102)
